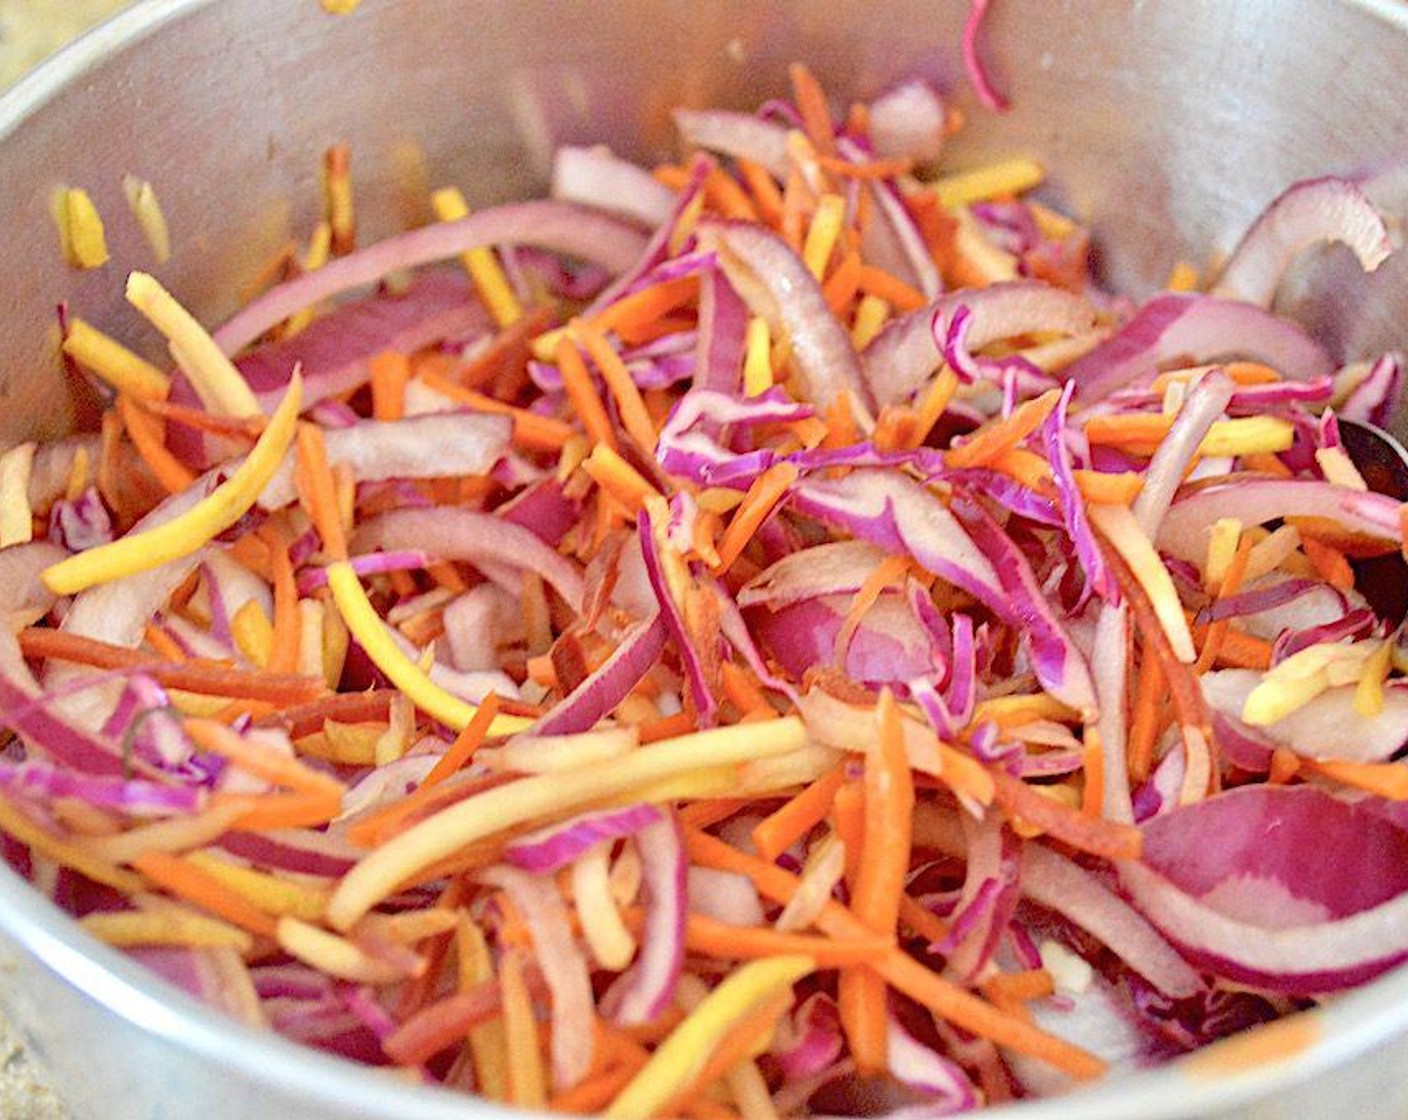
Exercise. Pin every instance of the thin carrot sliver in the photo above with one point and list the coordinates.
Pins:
(922, 921)
(1145, 724)
(766, 195)
(998, 437)
(877, 282)
(842, 285)
(261, 761)
(1092, 762)
(148, 437)
(778, 831)
(283, 648)
(1388, 780)
(714, 938)
(200, 887)
(390, 371)
(946, 999)
(581, 392)
(634, 312)
(887, 572)
(530, 430)
(635, 418)
(1329, 563)
(848, 815)
(1217, 631)
(767, 490)
(466, 743)
(1088, 834)
(318, 490)
(728, 198)
(812, 107)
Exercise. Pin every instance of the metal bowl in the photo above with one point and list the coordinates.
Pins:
(1166, 124)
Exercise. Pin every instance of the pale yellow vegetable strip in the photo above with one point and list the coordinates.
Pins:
(114, 363)
(319, 250)
(487, 1041)
(333, 955)
(80, 228)
(187, 532)
(167, 926)
(147, 210)
(481, 264)
(757, 358)
(1369, 693)
(220, 386)
(611, 943)
(823, 233)
(270, 893)
(446, 832)
(369, 630)
(16, 515)
(1300, 678)
(1118, 526)
(1011, 176)
(689, 1045)
(66, 853)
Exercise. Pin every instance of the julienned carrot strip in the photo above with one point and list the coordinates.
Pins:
(777, 832)
(811, 105)
(581, 392)
(1097, 836)
(264, 812)
(1119, 488)
(767, 490)
(146, 433)
(283, 649)
(877, 282)
(343, 707)
(1092, 761)
(442, 1024)
(747, 1038)
(317, 490)
(728, 198)
(1243, 651)
(634, 416)
(182, 878)
(714, 938)
(998, 437)
(465, 744)
(1329, 563)
(1231, 582)
(744, 693)
(530, 430)
(618, 478)
(890, 570)
(876, 169)
(1385, 779)
(944, 998)
(879, 882)
(390, 371)
(766, 195)
(848, 815)
(163, 643)
(261, 761)
(1145, 725)
(205, 677)
(636, 311)
(843, 283)
(922, 921)
(667, 727)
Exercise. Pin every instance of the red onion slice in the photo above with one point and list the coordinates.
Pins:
(649, 987)
(1178, 327)
(835, 568)
(908, 122)
(572, 230)
(1272, 903)
(739, 135)
(1311, 211)
(597, 696)
(973, 64)
(778, 286)
(553, 848)
(597, 178)
(462, 534)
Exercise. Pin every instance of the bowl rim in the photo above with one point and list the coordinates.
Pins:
(1349, 1025)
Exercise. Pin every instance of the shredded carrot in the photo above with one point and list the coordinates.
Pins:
(767, 490)
(875, 169)
(848, 815)
(1092, 762)
(1229, 585)
(998, 437)
(921, 921)
(894, 291)
(635, 312)
(1329, 563)
(766, 195)
(619, 479)
(1145, 724)
(390, 371)
(843, 284)
(261, 761)
(811, 104)
(777, 832)
(1095, 835)
(317, 490)
(634, 416)
(466, 743)
(530, 430)
(337, 198)
(728, 198)
(148, 437)
(1388, 780)
(581, 391)
(888, 572)
(183, 878)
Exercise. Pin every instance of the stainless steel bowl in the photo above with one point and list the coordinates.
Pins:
(1166, 123)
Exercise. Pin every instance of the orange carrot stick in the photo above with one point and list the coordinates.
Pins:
(146, 433)
(635, 418)
(777, 832)
(390, 371)
(530, 430)
(317, 490)
(581, 391)
(633, 313)
(767, 490)
(877, 282)
(1000, 436)
(466, 743)
(812, 106)
(187, 881)
(1087, 834)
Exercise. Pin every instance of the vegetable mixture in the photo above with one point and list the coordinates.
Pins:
(760, 636)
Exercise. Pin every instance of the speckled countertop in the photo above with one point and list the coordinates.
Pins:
(30, 30)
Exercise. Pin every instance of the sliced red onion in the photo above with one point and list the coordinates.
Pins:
(543, 510)
(908, 122)
(43, 781)
(776, 284)
(973, 64)
(1202, 407)
(1356, 624)
(1187, 329)
(648, 988)
(597, 696)
(1271, 904)
(553, 848)
(24, 596)
(689, 444)
(475, 622)
(809, 1039)
(1255, 501)
(429, 446)
(942, 1081)
(1109, 664)
(1058, 453)
(722, 336)
(890, 646)
(303, 851)
(1307, 212)
(597, 178)
(1327, 726)
(692, 660)
(369, 564)
(215, 976)
(738, 135)
(904, 355)
(989, 896)
(564, 969)
(572, 230)
(834, 568)
(1374, 399)
(81, 523)
(463, 534)
(1265, 596)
